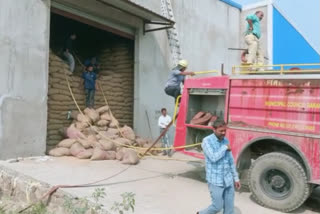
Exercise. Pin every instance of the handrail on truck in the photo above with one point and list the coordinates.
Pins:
(176, 109)
(307, 68)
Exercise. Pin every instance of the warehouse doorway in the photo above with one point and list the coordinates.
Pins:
(115, 55)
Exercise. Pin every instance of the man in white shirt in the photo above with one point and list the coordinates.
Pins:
(163, 122)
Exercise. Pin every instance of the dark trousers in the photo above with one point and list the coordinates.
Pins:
(90, 98)
(173, 91)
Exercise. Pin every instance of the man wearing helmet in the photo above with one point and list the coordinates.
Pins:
(176, 77)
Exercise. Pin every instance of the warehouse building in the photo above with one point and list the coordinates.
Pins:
(134, 50)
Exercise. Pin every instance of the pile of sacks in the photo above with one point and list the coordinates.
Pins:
(96, 135)
(116, 80)
(203, 118)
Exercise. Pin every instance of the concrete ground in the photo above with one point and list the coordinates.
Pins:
(161, 186)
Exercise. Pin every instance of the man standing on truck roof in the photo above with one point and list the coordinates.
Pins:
(252, 38)
(176, 77)
(221, 173)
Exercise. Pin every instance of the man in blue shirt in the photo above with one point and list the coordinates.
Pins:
(176, 77)
(252, 38)
(94, 62)
(89, 85)
(221, 173)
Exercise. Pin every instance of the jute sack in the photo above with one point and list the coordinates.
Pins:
(114, 122)
(102, 123)
(103, 128)
(84, 142)
(74, 133)
(55, 137)
(53, 132)
(92, 114)
(92, 138)
(88, 131)
(110, 155)
(58, 152)
(76, 148)
(74, 114)
(53, 126)
(52, 142)
(106, 135)
(112, 131)
(86, 154)
(105, 116)
(63, 132)
(141, 142)
(120, 153)
(127, 156)
(83, 118)
(106, 145)
(122, 141)
(59, 107)
(128, 133)
(96, 144)
(103, 109)
(98, 154)
(59, 97)
(66, 143)
(81, 125)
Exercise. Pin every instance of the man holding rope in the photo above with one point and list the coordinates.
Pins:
(89, 85)
(176, 77)
(68, 51)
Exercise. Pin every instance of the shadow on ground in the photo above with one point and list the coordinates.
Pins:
(198, 173)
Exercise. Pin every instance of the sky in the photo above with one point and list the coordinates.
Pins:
(303, 14)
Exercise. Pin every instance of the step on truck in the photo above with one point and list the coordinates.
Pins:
(273, 121)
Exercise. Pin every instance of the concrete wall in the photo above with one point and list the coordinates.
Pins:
(24, 27)
(205, 31)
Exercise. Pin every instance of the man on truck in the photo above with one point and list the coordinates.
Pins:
(221, 173)
(176, 77)
(252, 39)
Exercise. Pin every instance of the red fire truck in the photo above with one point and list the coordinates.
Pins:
(273, 126)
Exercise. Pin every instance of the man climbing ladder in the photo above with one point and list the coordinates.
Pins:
(176, 77)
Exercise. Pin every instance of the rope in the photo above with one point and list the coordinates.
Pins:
(55, 188)
(137, 149)
(106, 101)
(104, 97)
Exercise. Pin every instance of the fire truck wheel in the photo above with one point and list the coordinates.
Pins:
(278, 181)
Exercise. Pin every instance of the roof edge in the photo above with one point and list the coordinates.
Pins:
(233, 4)
(258, 4)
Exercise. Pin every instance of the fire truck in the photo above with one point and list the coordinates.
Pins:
(273, 121)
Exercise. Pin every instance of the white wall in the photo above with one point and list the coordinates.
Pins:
(24, 36)
(206, 30)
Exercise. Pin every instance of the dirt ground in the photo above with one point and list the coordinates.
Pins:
(161, 186)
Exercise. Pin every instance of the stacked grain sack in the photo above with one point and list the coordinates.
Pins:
(116, 79)
(117, 71)
(59, 98)
(96, 135)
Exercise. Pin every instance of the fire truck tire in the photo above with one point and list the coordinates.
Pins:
(278, 181)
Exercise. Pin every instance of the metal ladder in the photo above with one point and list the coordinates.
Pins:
(167, 11)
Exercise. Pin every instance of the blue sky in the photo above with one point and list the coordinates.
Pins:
(304, 15)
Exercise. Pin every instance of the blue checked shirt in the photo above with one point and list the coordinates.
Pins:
(220, 167)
